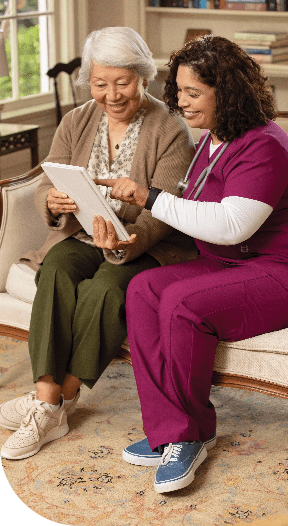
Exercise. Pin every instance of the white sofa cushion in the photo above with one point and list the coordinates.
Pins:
(14, 312)
(21, 226)
(270, 342)
(21, 282)
(265, 365)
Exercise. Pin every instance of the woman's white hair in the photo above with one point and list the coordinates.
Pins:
(119, 47)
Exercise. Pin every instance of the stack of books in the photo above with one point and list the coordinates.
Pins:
(265, 48)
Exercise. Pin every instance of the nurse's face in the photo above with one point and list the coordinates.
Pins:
(197, 100)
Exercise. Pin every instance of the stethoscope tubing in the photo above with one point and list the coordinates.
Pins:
(183, 184)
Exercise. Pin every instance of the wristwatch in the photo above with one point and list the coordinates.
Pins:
(152, 196)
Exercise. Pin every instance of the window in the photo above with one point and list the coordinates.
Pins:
(57, 30)
(28, 29)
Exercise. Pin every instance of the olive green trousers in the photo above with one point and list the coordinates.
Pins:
(78, 320)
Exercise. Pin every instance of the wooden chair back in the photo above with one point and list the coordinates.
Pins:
(53, 73)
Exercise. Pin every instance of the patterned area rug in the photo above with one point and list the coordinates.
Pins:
(82, 480)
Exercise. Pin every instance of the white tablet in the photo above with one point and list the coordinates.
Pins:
(77, 184)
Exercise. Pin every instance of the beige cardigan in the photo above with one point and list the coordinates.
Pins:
(163, 154)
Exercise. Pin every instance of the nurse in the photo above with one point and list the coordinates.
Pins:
(238, 285)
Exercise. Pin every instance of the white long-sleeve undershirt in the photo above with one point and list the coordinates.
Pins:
(230, 222)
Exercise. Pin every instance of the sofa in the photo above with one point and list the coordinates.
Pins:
(259, 363)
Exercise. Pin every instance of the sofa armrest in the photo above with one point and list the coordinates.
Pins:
(21, 226)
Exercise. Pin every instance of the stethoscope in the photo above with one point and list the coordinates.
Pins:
(184, 183)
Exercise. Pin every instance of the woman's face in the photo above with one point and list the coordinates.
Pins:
(197, 100)
(115, 91)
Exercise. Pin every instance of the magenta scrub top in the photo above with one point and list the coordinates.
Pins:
(254, 166)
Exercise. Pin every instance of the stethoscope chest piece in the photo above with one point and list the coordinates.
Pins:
(183, 184)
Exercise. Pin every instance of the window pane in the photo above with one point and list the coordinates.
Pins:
(28, 47)
(6, 82)
(24, 6)
(28, 56)
(3, 6)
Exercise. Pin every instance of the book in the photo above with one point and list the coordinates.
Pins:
(219, 4)
(169, 3)
(269, 59)
(265, 50)
(248, 1)
(77, 184)
(271, 5)
(246, 6)
(261, 36)
(163, 3)
(263, 44)
(283, 5)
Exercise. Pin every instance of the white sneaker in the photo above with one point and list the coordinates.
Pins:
(38, 427)
(13, 412)
(70, 408)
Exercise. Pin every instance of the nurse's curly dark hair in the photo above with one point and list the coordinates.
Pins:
(243, 99)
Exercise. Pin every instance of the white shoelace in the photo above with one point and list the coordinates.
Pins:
(171, 453)
(26, 401)
(29, 419)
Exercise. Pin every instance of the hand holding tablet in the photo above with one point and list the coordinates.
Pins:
(75, 182)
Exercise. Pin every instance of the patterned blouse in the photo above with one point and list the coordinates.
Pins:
(99, 166)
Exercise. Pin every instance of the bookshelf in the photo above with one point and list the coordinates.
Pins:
(172, 24)
(164, 29)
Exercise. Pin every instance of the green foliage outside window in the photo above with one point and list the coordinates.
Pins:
(29, 63)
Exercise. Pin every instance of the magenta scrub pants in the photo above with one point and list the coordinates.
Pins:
(175, 316)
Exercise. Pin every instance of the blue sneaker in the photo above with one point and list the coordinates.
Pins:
(141, 454)
(209, 444)
(178, 465)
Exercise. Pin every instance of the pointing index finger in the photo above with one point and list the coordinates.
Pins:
(106, 182)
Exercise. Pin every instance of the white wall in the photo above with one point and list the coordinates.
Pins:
(105, 13)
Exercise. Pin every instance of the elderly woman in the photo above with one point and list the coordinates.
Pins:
(78, 320)
(237, 211)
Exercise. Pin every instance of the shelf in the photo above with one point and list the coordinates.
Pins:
(271, 70)
(214, 12)
(162, 27)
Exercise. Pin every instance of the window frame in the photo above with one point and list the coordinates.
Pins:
(64, 46)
